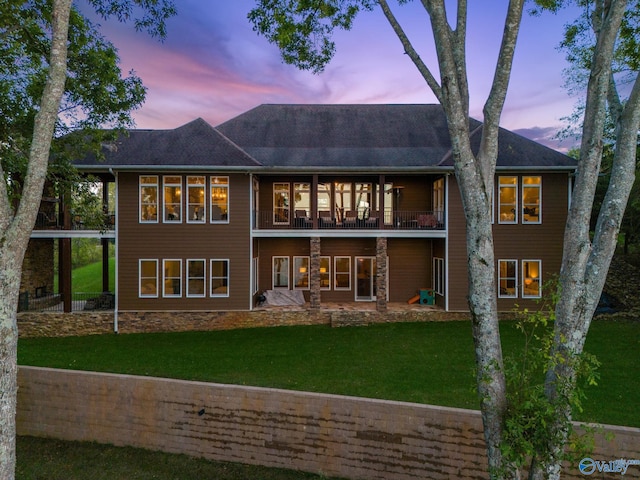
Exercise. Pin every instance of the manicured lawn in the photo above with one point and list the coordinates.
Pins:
(415, 362)
(88, 279)
(42, 459)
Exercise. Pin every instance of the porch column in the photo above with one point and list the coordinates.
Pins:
(381, 274)
(314, 272)
(105, 241)
(64, 266)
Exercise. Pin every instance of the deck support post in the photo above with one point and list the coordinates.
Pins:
(381, 274)
(314, 272)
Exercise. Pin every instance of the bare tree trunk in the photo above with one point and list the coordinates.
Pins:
(16, 230)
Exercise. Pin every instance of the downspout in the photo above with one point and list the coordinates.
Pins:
(115, 226)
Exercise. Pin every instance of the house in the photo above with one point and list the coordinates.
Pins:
(331, 203)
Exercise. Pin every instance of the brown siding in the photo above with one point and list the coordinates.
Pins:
(517, 242)
(183, 241)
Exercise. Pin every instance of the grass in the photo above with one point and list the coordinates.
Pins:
(40, 459)
(415, 362)
(89, 278)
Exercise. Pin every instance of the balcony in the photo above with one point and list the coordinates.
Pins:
(55, 221)
(402, 220)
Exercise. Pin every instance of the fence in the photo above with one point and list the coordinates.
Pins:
(53, 302)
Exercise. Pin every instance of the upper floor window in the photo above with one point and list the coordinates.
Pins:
(148, 278)
(281, 203)
(302, 197)
(219, 199)
(172, 199)
(438, 200)
(196, 199)
(343, 200)
(324, 198)
(531, 199)
(363, 199)
(507, 199)
(149, 198)
(172, 278)
(531, 270)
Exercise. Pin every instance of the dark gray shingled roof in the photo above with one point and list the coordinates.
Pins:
(361, 136)
(314, 137)
(196, 144)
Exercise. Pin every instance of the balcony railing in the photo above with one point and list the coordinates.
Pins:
(397, 220)
(53, 302)
(55, 221)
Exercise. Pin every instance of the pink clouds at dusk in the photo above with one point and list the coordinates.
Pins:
(212, 65)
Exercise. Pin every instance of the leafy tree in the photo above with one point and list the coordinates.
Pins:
(302, 30)
(42, 43)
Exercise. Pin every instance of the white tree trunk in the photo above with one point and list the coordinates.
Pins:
(15, 231)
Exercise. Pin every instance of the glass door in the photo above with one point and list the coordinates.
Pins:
(365, 279)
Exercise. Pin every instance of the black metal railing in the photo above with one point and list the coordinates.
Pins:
(55, 221)
(53, 302)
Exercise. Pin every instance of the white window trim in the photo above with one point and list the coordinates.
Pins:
(140, 186)
(539, 262)
(335, 272)
(140, 294)
(328, 273)
(228, 277)
(204, 278)
(273, 203)
(256, 277)
(165, 184)
(273, 273)
(211, 187)
(438, 275)
(516, 196)
(204, 203)
(308, 273)
(539, 187)
(516, 285)
(166, 294)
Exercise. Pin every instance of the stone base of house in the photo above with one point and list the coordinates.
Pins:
(58, 324)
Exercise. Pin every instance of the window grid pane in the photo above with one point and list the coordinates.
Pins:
(172, 199)
(508, 194)
(281, 203)
(148, 286)
(507, 278)
(196, 200)
(531, 274)
(195, 278)
(219, 278)
(531, 199)
(342, 269)
(280, 272)
(301, 272)
(172, 279)
(149, 199)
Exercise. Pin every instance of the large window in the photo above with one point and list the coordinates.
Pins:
(531, 287)
(219, 278)
(301, 273)
(280, 272)
(302, 197)
(148, 278)
(196, 200)
(343, 200)
(219, 199)
(363, 199)
(342, 273)
(438, 200)
(281, 203)
(196, 278)
(507, 199)
(324, 198)
(149, 198)
(508, 278)
(172, 278)
(172, 199)
(531, 196)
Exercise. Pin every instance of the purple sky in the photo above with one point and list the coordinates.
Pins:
(212, 65)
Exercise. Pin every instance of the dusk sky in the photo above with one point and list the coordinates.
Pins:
(213, 65)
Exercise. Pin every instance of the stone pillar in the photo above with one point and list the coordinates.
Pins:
(381, 275)
(314, 272)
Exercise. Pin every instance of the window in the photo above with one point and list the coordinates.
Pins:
(256, 286)
(507, 199)
(302, 197)
(172, 199)
(507, 279)
(531, 196)
(325, 273)
(342, 273)
(438, 275)
(388, 204)
(149, 199)
(363, 199)
(172, 279)
(343, 200)
(531, 287)
(301, 273)
(148, 275)
(195, 278)
(219, 199)
(195, 200)
(438, 200)
(280, 272)
(281, 203)
(324, 198)
(219, 278)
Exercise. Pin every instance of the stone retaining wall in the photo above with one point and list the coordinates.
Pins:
(334, 435)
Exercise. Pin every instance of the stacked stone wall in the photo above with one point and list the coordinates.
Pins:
(333, 435)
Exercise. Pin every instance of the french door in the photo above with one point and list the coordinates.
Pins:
(365, 279)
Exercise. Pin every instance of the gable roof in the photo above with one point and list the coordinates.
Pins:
(195, 144)
(369, 136)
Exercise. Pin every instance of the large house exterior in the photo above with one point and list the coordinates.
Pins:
(330, 203)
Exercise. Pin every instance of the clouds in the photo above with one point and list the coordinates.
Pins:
(212, 65)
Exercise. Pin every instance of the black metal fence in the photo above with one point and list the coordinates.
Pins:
(53, 302)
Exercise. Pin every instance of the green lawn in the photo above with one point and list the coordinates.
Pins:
(416, 362)
(88, 279)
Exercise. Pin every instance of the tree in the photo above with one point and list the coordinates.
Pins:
(41, 43)
(302, 30)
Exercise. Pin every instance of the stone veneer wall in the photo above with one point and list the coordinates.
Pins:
(37, 267)
(334, 435)
(57, 324)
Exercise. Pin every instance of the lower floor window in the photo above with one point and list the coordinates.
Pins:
(195, 278)
(148, 278)
(526, 282)
(172, 278)
(531, 287)
(438, 275)
(219, 278)
(301, 273)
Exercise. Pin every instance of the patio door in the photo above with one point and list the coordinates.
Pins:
(366, 279)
